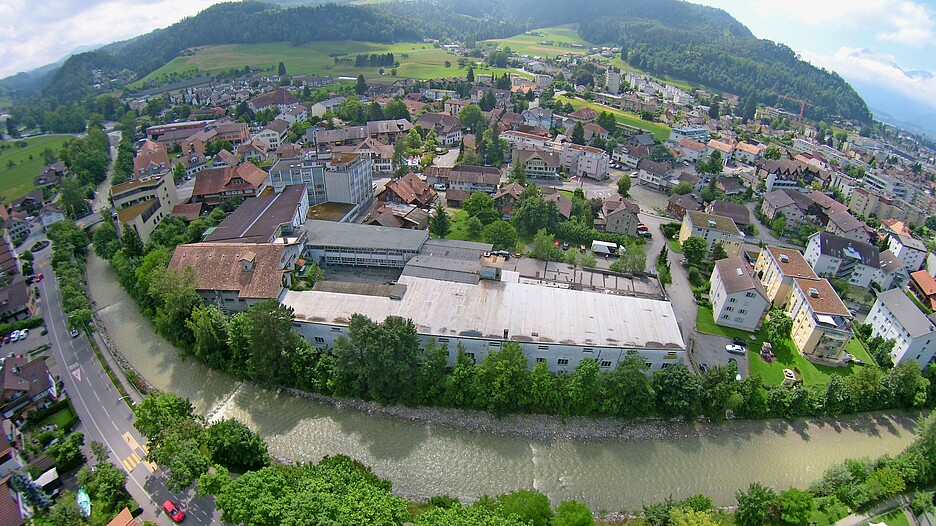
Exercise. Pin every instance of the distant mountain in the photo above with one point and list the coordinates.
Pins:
(687, 41)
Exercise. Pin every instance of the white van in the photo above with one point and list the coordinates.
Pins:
(441, 187)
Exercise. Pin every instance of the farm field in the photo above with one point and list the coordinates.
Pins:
(529, 43)
(659, 131)
(318, 58)
(17, 180)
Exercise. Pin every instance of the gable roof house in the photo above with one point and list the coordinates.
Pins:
(474, 179)
(539, 164)
(409, 190)
(215, 184)
(736, 211)
(653, 174)
(273, 134)
(776, 267)
(678, 205)
(784, 174)
(713, 229)
(448, 129)
(822, 325)
(846, 225)
(834, 256)
(563, 203)
(507, 197)
(280, 100)
(24, 383)
(738, 298)
(618, 215)
(151, 159)
(51, 174)
(923, 286)
(234, 276)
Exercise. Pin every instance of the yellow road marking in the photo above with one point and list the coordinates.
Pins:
(127, 465)
(136, 458)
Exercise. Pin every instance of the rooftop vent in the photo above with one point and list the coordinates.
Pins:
(784, 258)
(739, 271)
(712, 223)
(813, 293)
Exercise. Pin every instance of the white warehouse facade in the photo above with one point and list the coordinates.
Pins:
(559, 326)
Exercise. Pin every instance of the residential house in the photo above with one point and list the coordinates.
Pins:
(18, 227)
(50, 214)
(911, 250)
(380, 154)
(507, 197)
(584, 161)
(10, 513)
(273, 134)
(473, 179)
(408, 190)
(51, 174)
(713, 229)
(776, 267)
(736, 211)
(325, 139)
(593, 130)
(448, 129)
(187, 211)
(584, 115)
(678, 205)
(528, 141)
(151, 159)
(892, 273)
(747, 153)
(454, 106)
(695, 133)
(216, 184)
(255, 150)
(846, 225)
(630, 155)
(279, 100)
(653, 174)
(142, 203)
(738, 298)
(538, 117)
(324, 106)
(618, 215)
(895, 317)
(389, 131)
(729, 185)
(724, 149)
(783, 174)
(230, 131)
(396, 215)
(563, 203)
(225, 158)
(17, 300)
(298, 113)
(834, 256)
(923, 286)
(235, 276)
(539, 164)
(822, 325)
(30, 203)
(794, 206)
(690, 150)
(24, 384)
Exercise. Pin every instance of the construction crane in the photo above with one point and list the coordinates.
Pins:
(803, 105)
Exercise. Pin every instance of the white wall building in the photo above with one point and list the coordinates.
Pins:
(895, 317)
(738, 298)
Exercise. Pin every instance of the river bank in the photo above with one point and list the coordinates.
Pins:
(611, 464)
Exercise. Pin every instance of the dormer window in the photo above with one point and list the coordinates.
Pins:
(247, 261)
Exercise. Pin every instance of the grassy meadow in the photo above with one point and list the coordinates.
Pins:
(660, 131)
(422, 61)
(530, 43)
(17, 180)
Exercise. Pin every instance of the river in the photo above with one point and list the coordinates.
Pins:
(424, 459)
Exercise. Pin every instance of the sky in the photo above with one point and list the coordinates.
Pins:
(883, 45)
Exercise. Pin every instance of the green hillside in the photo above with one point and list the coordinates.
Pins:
(417, 60)
(17, 180)
(550, 41)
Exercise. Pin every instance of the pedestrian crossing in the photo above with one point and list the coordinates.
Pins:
(138, 456)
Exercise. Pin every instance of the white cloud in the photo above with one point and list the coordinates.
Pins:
(881, 70)
(905, 22)
(38, 33)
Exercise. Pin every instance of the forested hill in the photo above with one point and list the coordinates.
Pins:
(229, 23)
(686, 41)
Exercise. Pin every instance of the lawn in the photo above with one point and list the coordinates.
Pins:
(894, 518)
(459, 230)
(422, 61)
(550, 41)
(660, 131)
(674, 245)
(63, 419)
(17, 180)
(785, 354)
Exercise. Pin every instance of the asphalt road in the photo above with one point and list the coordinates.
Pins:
(105, 416)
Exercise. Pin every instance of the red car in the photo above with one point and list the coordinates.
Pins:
(175, 513)
(39, 278)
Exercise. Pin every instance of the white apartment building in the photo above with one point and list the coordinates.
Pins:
(738, 298)
(895, 317)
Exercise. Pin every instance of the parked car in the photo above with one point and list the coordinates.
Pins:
(439, 187)
(73, 333)
(14, 336)
(174, 512)
(734, 349)
(739, 341)
(565, 245)
(642, 227)
(645, 233)
(39, 277)
(24, 333)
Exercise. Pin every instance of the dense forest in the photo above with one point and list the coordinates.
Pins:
(687, 41)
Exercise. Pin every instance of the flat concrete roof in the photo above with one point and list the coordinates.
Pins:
(530, 313)
(350, 235)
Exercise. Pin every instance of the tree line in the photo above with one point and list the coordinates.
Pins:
(374, 60)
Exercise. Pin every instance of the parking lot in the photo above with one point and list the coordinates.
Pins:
(33, 340)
